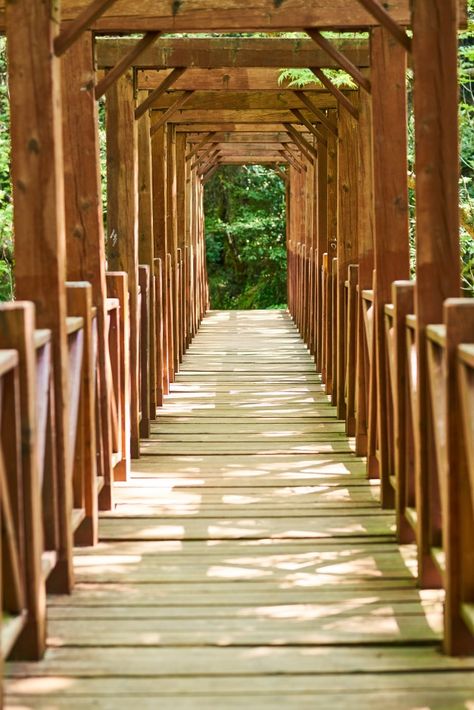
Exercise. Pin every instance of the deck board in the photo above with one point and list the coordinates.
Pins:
(247, 562)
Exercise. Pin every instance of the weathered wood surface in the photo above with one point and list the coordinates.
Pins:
(205, 15)
(227, 579)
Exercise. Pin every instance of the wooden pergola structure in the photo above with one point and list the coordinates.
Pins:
(84, 368)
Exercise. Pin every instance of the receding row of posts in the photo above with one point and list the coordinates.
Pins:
(103, 315)
(395, 349)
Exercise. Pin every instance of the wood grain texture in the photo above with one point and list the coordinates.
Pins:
(256, 576)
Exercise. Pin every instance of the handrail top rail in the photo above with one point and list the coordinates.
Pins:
(73, 324)
(410, 321)
(436, 334)
(466, 354)
(389, 309)
(112, 303)
(368, 294)
(8, 361)
(42, 336)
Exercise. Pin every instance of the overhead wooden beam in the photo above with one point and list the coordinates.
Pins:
(172, 109)
(337, 93)
(200, 145)
(209, 16)
(247, 100)
(164, 86)
(125, 63)
(380, 14)
(317, 112)
(83, 21)
(311, 128)
(305, 146)
(339, 57)
(252, 116)
(214, 53)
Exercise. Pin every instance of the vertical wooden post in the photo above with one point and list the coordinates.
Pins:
(348, 158)
(85, 244)
(173, 243)
(457, 498)
(181, 228)
(122, 218)
(79, 298)
(388, 62)
(146, 248)
(365, 228)
(435, 95)
(38, 195)
(159, 160)
(332, 181)
(321, 243)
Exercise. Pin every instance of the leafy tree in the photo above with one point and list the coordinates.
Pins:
(246, 237)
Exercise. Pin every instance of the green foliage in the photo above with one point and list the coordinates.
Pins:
(246, 238)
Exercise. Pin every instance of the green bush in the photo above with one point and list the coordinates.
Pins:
(246, 238)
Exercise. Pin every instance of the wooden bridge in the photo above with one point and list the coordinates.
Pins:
(221, 509)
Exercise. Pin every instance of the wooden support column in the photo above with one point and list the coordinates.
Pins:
(321, 247)
(365, 229)
(332, 180)
(159, 160)
(348, 158)
(435, 95)
(85, 242)
(122, 219)
(172, 243)
(38, 195)
(146, 246)
(181, 228)
(391, 217)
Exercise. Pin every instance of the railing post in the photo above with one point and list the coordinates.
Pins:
(17, 329)
(144, 279)
(79, 302)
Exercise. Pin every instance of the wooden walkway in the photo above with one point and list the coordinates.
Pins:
(248, 562)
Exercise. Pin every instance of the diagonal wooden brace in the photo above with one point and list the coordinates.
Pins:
(121, 67)
(337, 93)
(309, 150)
(332, 128)
(172, 110)
(312, 129)
(164, 86)
(200, 145)
(338, 57)
(73, 30)
(386, 20)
